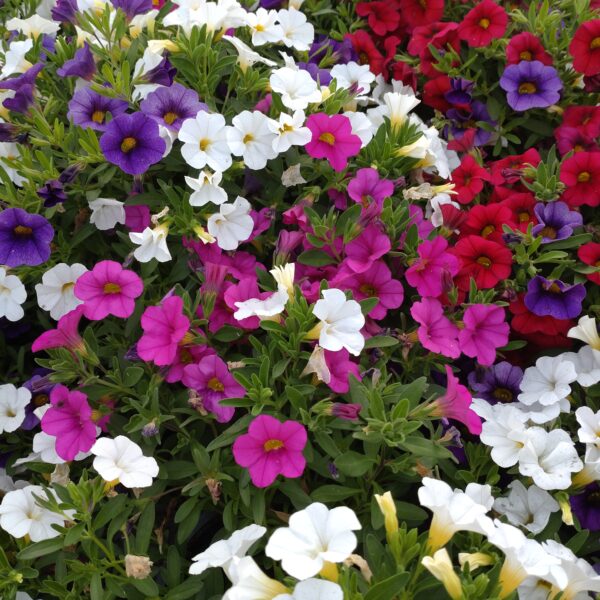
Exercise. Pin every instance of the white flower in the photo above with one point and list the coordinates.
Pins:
(361, 126)
(122, 460)
(206, 188)
(232, 224)
(586, 331)
(263, 24)
(55, 293)
(12, 295)
(263, 309)
(21, 515)
(250, 583)
(152, 244)
(503, 430)
(106, 213)
(251, 138)
(395, 107)
(8, 485)
(549, 458)
(297, 32)
(33, 26)
(205, 142)
(169, 136)
(440, 566)
(289, 131)
(434, 208)
(13, 401)
(455, 510)
(149, 61)
(246, 56)
(141, 22)
(438, 158)
(355, 76)
(340, 322)
(296, 87)
(314, 536)
(11, 151)
(527, 507)
(14, 59)
(318, 365)
(284, 276)
(314, 589)
(589, 432)
(587, 365)
(223, 552)
(197, 13)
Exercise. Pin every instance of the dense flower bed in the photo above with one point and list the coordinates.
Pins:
(298, 299)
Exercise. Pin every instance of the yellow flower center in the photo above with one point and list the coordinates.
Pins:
(67, 286)
(111, 288)
(170, 118)
(98, 116)
(328, 138)
(595, 43)
(583, 177)
(128, 144)
(21, 230)
(484, 23)
(525, 55)
(248, 138)
(527, 87)
(215, 385)
(270, 445)
(484, 261)
(487, 230)
(204, 144)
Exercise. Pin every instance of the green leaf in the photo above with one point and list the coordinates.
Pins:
(41, 549)
(132, 375)
(388, 588)
(74, 534)
(419, 446)
(381, 341)
(333, 493)
(315, 258)
(144, 529)
(146, 586)
(96, 591)
(112, 507)
(353, 464)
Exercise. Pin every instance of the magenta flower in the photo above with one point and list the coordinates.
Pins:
(165, 326)
(66, 334)
(340, 368)
(213, 382)
(271, 448)
(367, 187)
(184, 356)
(364, 250)
(69, 419)
(434, 268)
(484, 330)
(332, 138)
(108, 289)
(436, 332)
(456, 404)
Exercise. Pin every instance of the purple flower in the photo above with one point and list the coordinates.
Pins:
(466, 118)
(40, 387)
(64, 11)
(23, 86)
(52, 193)
(586, 507)
(89, 109)
(24, 238)
(9, 132)
(171, 106)
(340, 52)
(554, 298)
(321, 76)
(133, 8)
(81, 65)
(132, 142)
(530, 84)
(460, 92)
(556, 221)
(499, 383)
(367, 186)
(162, 74)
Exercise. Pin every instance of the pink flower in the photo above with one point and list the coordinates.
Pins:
(332, 138)
(66, 334)
(364, 250)
(456, 404)
(186, 355)
(213, 382)
(271, 448)
(367, 187)
(108, 289)
(348, 412)
(137, 217)
(376, 282)
(69, 419)
(436, 333)
(484, 330)
(164, 328)
(434, 267)
(340, 368)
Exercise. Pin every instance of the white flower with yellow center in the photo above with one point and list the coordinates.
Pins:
(250, 583)
(232, 224)
(298, 33)
(205, 142)
(264, 27)
(290, 131)
(296, 87)
(12, 295)
(206, 188)
(13, 401)
(14, 59)
(107, 213)
(33, 26)
(152, 243)
(55, 294)
(251, 138)
(353, 76)
(586, 331)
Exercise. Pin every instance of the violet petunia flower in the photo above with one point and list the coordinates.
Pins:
(553, 298)
(171, 106)
(556, 221)
(81, 65)
(132, 8)
(40, 387)
(460, 92)
(52, 193)
(133, 143)
(24, 238)
(464, 119)
(321, 76)
(89, 109)
(586, 507)
(162, 74)
(65, 11)
(23, 85)
(499, 383)
(531, 84)
(340, 52)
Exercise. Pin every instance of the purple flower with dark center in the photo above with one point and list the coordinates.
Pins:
(81, 65)
(498, 383)
(556, 221)
(171, 106)
(586, 507)
(132, 142)
(133, 8)
(464, 119)
(40, 387)
(460, 92)
(552, 297)
(340, 52)
(89, 109)
(52, 193)
(24, 238)
(530, 84)
(162, 74)
(23, 86)
(65, 11)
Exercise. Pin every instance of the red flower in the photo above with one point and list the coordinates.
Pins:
(585, 48)
(590, 255)
(485, 261)
(433, 93)
(405, 73)
(382, 16)
(573, 139)
(508, 170)
(485, 22)
(581, 175)
(465, 143)
(585, 118)
(439, 35)
(390, 44)
(468, 178)
(487, 221)
(526, 46)
(521, 205)
(367, 52)
(421, 12)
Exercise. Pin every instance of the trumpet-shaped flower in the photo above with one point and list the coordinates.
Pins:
(12, 295)
(206, 188)
(13, 401)
(251, 138)
(56, 292)
(232, 224)
(152, 243)
(205, 142)
(296, 87)
(250, 583)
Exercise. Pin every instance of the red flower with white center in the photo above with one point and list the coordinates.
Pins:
(585, 48)
(482, 24)
(468, 179)
(581, 175)
(526, 46)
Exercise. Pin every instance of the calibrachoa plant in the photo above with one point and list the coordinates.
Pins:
(299, 299)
